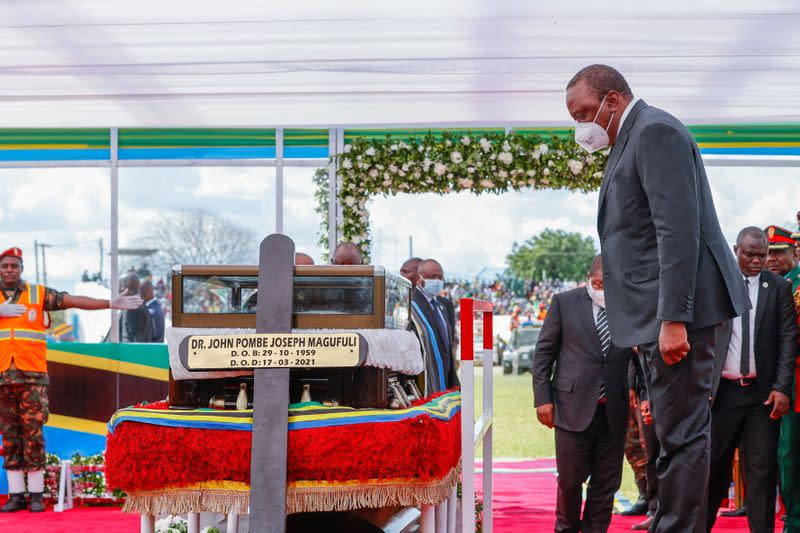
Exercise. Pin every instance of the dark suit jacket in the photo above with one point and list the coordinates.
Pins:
(449, 361)
(157, 319)
(135, 325)
(568, 366)
(775, 338)
(664, 256)
(450, 314)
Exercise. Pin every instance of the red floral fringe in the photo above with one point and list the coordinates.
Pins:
(146, 457)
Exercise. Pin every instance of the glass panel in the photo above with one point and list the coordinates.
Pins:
(397, 303)
(64, 214)
(301, 222)
(333, 295)
(350, 295)
(194, 216)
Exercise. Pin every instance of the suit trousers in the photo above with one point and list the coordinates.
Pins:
(740, 415)
(679, 400)
(595, 453)
(651, 449)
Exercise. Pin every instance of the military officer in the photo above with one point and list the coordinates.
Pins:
(783, 260)
(24, 321)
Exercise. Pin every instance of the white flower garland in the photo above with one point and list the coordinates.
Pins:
(493, 163)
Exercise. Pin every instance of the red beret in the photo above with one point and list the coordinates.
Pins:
(12, 252)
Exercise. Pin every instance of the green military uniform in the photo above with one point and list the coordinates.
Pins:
(789, 442)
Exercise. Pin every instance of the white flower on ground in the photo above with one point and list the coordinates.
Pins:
(546, 171)
(347, 164)
(403, 145)
(487, 184)
(387, 183)
(394, 148)
(506, 147)
(465, 140)
(373, 173)
(393, 169)
(349, 201)
(347, 148)
(531, 182)
(405, 167)
(456, 157)
(471, 170)
(450, 176)
(590, 159)
(370, 151)
(575, 166)
(506, 157)
(448, 142)
(503, 174)
(597, 175)
(543, 148)
(531, 173)
(486, 146)
(466, 183)
(439, 169)
(426, 164)
(536, 154)
(420, 148)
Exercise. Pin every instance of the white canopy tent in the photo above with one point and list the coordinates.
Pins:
(202, 63)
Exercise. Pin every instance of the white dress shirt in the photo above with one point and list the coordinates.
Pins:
(732, 368)
(626, 113)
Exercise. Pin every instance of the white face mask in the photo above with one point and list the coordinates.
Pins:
(598, 297)
(432, 287)
(590, 135)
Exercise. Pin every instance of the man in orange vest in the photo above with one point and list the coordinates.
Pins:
(24, 320)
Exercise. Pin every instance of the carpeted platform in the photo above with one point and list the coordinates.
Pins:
(525, 500)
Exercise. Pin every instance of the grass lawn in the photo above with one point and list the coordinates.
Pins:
(517, 433)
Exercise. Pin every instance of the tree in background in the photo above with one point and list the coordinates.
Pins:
(199, 237)
(559, 254)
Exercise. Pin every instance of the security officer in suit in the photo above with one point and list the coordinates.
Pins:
(580, 387)
(670, 277)
(751, 386)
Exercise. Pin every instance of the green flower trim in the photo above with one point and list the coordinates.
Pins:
(489, 163)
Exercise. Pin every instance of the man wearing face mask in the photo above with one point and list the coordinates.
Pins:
(580, 387)
(435, 317)
(669, 275)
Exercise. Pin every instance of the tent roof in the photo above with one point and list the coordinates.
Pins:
(101, 63)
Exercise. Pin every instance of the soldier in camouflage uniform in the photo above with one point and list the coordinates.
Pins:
(634, 449)
(24, 410)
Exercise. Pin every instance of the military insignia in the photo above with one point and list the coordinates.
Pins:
(32, 315)
(771, 231)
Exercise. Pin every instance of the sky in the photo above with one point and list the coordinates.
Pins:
(69, 210)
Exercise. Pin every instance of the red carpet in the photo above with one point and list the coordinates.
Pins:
(525, 499)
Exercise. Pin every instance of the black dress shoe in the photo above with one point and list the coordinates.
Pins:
(637, 509)
(16, 502)
(741, 511)
(37, 505)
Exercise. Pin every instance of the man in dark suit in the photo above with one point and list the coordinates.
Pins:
(670, 277)
(153, 306)
(752, 384)
(438, 315)
(580, 387)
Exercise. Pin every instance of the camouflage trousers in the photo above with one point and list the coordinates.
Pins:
(23, 412)
(634, 447)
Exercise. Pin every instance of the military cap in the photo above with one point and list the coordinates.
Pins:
(12, 252)
(779, 238)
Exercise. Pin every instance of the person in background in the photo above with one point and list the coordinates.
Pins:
(635, 447)
(783, 261)
(153, 306)
(24, 319)
(303, 259)
(751, 384)
(134, 324)
(410, 270)
(580, 387)
(347, 253)
(434, 318)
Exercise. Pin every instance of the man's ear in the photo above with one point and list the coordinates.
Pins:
(613, 101)
(735, 249)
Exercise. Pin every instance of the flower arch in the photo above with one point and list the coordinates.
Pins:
(451, 162)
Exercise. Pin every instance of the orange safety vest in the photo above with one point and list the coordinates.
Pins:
(23, 338)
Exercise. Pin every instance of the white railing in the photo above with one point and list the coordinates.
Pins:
(473, 432)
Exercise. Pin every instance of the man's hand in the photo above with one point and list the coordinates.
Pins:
(9, 310)
(672, 342)
(780, 404)
(632, 398)
(546, 414)
(124, 302)
(647, 416)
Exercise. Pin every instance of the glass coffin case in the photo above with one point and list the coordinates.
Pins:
(325, 297)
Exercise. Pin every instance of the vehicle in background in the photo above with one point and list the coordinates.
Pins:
(518, 356)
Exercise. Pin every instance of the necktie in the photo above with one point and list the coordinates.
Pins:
(437, 310)
(605, 344)
(744, 364)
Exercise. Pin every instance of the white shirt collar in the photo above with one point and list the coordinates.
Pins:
(626, 113)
